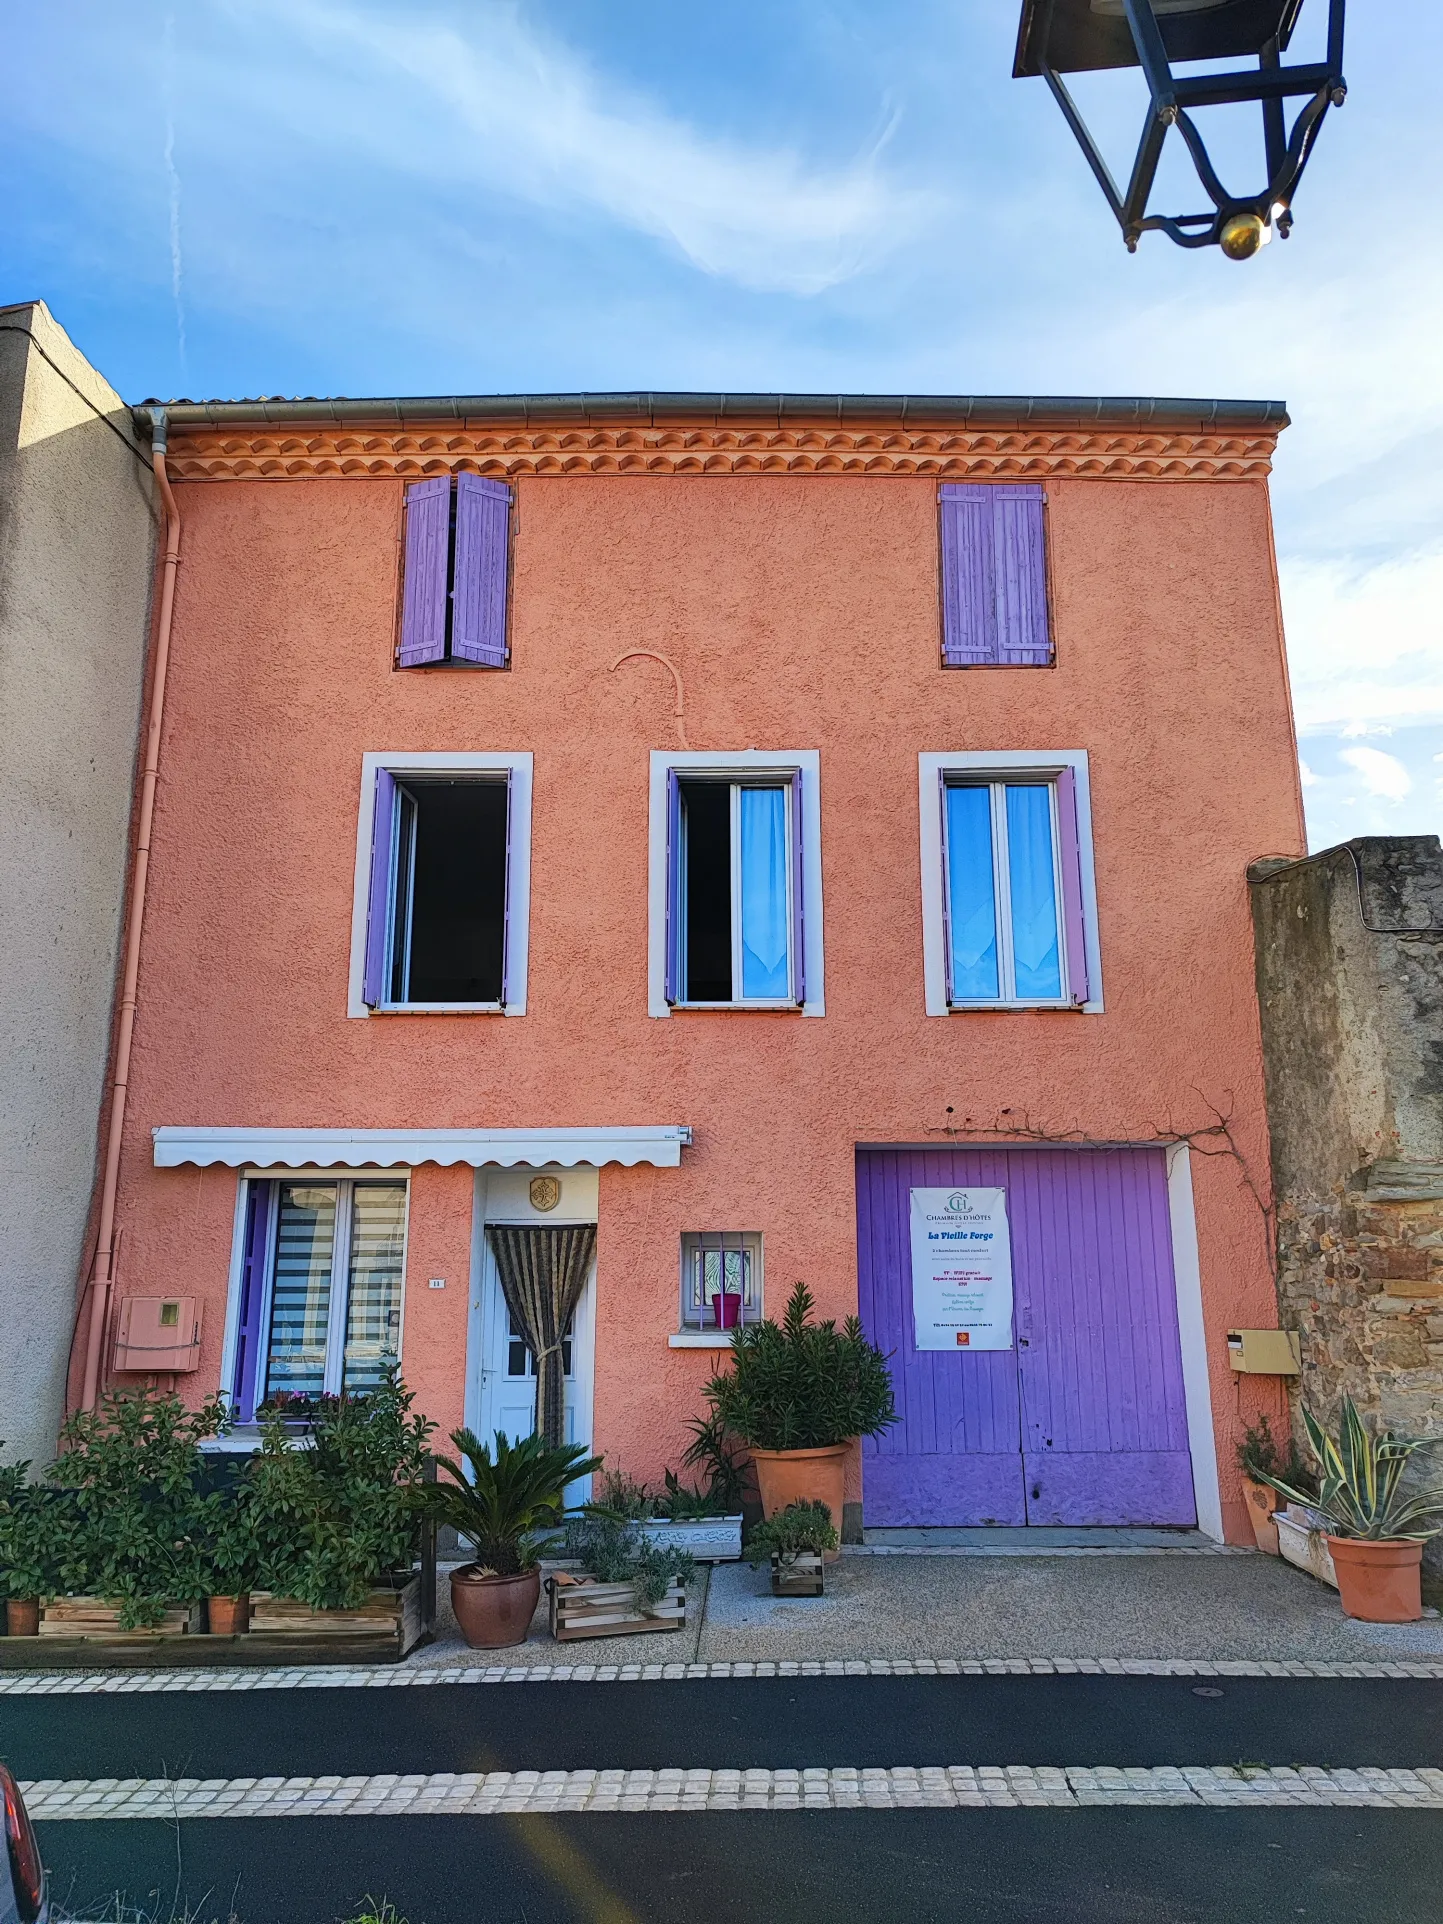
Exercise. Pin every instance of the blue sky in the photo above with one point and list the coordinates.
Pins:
(410, 196)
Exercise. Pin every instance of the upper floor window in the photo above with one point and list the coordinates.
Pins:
(1009, 917)
(442, 884)
(736, 882)
(994, 575)
(455, 572)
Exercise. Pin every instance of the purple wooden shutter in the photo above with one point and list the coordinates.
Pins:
(946, 885)
(478, 595)
(1069, 852)
(506, 902)
(260, 1198)
(423, 585)
(994, 575)
(674, 905)
(799, 923)
(378, 908)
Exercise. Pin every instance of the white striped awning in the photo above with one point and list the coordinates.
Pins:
(405, 1148)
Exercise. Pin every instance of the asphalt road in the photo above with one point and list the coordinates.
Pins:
(1165, 1866)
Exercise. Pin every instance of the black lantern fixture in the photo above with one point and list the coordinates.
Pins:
(1057, 37)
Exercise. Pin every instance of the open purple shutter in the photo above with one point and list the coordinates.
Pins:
(799, 923)
(423, 585)
(1069, 852)
(994, 575)
(478, 595)
(946, 885)
(506, 902)
(673, 886)
(260, 1198)
(378, 907)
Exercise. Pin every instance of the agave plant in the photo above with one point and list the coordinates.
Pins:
(1358, 1486)
(511, 1504)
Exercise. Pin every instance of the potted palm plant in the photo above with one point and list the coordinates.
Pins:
(508, 1505)
(797, 1540)
(1376, 1530)
(797, 1394)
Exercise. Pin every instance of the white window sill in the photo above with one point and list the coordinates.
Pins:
(785, 1007)
(439, 1008)
(971, 1008)
(700, 1339)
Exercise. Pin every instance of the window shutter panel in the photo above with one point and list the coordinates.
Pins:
(673, 886)
(478, 596)
(946, 886)
(378, 907)
(799, 921)
(506, 904)
(1069, 852)
(245, 1387)
(423, 585)
(994, 575)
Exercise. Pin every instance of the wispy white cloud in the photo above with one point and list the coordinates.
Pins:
(1365, 643)
(1383, 775)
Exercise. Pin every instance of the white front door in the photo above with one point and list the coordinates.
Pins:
(501, 1387)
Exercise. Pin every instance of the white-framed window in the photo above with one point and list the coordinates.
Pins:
(443, 885)
(317, 1285)
(1009, 903)
(735, 882)
(721, 1285)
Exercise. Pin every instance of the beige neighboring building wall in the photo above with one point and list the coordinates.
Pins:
(77, 532)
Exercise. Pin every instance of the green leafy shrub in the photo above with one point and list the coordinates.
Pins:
(802, 1385)
(1260, 1458)
(512, 1503)
(33, 1527)
(613, 1550)
(1359, 1490)
(132, 1527)
(804, 1525)
(320, 1515)
(623, 1496)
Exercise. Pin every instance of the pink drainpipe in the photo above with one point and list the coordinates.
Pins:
(102, 1272)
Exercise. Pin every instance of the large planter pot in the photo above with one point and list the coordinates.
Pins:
(22, 1617)
(800, 1476)
(1302, 1542)
(229, 1616)
(709, 1539)
(494, 1611)
(1379, 1582)
(1263, 1500)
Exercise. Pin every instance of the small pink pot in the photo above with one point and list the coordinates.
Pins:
(728, 1308)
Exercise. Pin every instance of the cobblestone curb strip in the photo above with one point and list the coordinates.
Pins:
(83, 1683)
(509, 1793)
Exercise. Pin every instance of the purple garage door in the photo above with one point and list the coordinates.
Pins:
(1084, 1420)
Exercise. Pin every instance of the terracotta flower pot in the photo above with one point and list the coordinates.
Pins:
(1263, 1500)
(799, 1476)
(230, 1616)
(1379, 1581)
(22, 1617)
(493, 1611)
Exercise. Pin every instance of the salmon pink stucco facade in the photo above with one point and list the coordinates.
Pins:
(679, 842)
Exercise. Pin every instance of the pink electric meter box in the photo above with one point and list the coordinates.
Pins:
(158, 1333)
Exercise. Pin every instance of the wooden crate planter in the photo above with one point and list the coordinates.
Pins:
(582, 1608)
(797, 1576)
(393, 1613)
(89, 1618)
(709, 1539)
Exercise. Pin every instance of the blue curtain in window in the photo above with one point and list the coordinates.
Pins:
(764, 893)
(972, 900)
(1030, 873)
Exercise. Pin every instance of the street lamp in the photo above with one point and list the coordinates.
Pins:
(1082, 36)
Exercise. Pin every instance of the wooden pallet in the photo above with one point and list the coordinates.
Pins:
(582, 1608)
(71, 1617)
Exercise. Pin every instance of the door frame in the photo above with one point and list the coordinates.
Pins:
(487, 1304)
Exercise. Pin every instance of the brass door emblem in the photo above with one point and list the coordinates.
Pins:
(545, 1192)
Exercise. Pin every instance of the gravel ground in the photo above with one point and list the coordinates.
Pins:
(1240, 1607)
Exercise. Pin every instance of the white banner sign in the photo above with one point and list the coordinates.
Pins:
(961, 1269)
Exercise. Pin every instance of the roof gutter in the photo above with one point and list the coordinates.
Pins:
(1004, 412)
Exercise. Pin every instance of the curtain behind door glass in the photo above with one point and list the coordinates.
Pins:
(373, 1311)
(1036, 962)
(301, 1294)
(972, 901)
(764, 893)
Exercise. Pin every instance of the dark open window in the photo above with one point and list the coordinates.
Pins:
(448, 920)
(707, 945)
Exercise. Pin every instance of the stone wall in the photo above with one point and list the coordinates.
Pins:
(1349, 948)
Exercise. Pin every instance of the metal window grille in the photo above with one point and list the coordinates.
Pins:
(720, 1264)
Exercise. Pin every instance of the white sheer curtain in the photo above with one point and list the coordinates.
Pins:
(764, 918)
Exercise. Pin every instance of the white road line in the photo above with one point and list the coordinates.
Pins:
(526, 1792)
(372, 1677)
